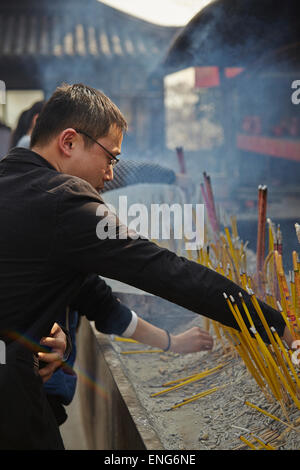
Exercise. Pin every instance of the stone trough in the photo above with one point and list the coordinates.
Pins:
(118, 412)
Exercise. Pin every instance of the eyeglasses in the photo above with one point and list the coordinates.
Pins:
(113, 160)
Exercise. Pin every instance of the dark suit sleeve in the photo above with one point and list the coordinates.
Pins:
(96, 301)
(143, 264)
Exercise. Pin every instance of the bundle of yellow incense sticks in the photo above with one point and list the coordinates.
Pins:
(271, 366)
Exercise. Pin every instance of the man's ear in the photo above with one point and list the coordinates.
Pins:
(67, 140)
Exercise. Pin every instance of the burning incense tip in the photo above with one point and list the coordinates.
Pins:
(225, 295)
(232, 299)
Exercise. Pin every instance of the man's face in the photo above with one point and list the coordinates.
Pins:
(93, 163)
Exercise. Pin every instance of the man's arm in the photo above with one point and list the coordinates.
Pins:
(96, 301)
(143, 264)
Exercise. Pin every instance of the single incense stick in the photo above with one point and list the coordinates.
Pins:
(196, 397)
(144, 351)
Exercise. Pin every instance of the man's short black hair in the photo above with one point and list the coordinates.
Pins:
(80, 107)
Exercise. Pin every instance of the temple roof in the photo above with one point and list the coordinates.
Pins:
(73, 28)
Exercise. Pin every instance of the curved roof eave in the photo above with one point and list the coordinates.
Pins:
(233, 33)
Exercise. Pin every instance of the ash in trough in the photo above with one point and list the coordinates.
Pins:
(214, 422)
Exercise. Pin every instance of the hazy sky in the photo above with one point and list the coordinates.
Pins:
(164, 12)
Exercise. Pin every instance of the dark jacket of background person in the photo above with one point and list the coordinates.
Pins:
(129, 172)
(5, 135)
(25, 122)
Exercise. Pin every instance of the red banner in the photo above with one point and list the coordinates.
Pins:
(283, 148)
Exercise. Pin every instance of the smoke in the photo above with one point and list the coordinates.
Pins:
(261, 37)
